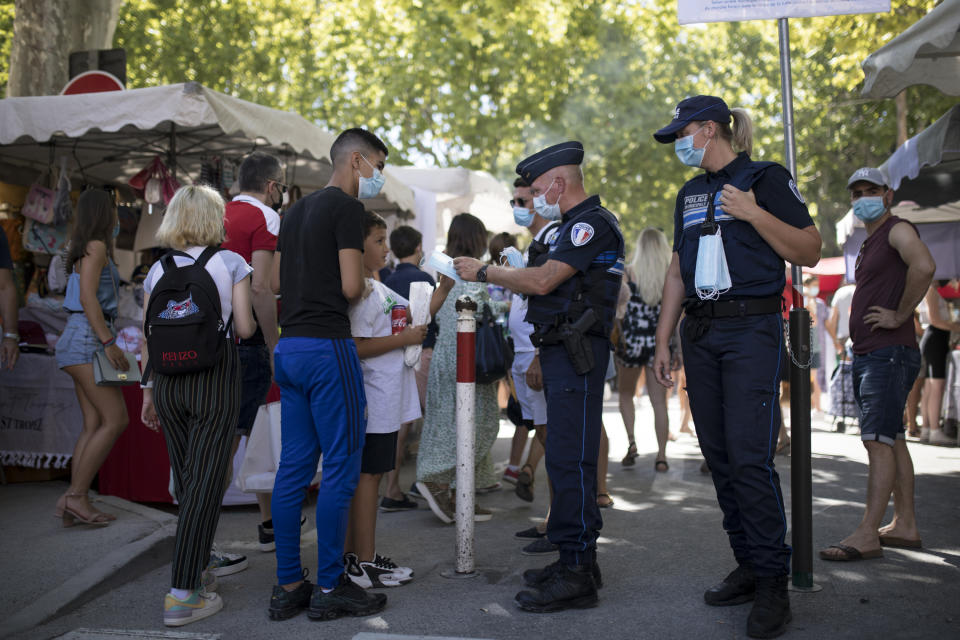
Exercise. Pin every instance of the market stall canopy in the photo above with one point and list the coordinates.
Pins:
(939, 229)
(926, 53)
(112, 136)
(450, 191)
(927, 165)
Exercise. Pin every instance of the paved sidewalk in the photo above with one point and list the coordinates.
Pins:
(661, 546)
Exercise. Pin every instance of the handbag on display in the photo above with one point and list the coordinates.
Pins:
(494, 355)
(43, 238)
(106, 375)
(39, 204)
(62, 207)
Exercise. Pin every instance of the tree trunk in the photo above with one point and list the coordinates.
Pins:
(46, 32)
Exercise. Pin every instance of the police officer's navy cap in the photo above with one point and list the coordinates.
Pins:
(558, 155)
(868, 174)
(694, 109)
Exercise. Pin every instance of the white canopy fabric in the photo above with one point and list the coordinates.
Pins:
(939, 228)
(111, 136)
(940, 142)
(458, 190)
(926, 53)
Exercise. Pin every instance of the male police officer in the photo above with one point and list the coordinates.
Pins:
(573, 293)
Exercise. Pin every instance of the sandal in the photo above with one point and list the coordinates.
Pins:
(71, 516)
(630, 459)
(604, 504)
(524, 488)
(661, 466)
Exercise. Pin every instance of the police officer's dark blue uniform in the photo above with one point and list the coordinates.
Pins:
(573, 324)
(734, 357)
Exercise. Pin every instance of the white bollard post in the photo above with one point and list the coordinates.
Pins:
(466, 431)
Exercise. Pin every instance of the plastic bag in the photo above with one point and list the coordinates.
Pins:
(420, 294)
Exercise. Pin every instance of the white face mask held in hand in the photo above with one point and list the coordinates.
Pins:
(712, 277)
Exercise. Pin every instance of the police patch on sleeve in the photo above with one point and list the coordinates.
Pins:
(581, 234)
(796, 192)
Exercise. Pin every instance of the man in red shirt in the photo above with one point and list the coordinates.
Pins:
(252, 224)
(893, 270)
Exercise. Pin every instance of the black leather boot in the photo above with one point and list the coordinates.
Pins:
(736, 588)
(771, 608)
(566, 587)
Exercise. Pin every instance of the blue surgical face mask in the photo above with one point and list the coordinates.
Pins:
(547, 211)
(522, 216)
(370, 187)
(688, 154)
(869, 208)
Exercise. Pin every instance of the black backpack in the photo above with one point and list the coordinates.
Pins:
(184, 329)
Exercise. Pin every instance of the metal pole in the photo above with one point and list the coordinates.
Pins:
(466, 430)
(801, 484)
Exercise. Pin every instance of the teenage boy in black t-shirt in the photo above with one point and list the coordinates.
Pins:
(318, 271)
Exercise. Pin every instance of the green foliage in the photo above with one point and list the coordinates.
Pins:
(6, 40)
(480, 83)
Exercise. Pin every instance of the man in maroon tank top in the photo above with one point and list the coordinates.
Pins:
(893, 270)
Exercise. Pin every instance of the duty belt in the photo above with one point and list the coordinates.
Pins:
(700, 312)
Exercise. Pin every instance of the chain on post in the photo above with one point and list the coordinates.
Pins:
(794, 357)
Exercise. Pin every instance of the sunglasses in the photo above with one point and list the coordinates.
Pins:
(519, 202)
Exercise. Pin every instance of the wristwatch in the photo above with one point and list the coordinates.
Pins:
(482, 273)
(12, 336)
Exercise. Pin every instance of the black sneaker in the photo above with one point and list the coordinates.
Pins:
(534, 577)
(771, 609)
(528, 534)
(567, 587)
(286, 604)
(538, 547)
(414, 492)
(265, 533)
(347, 599)
(389, 504)
(738, 587)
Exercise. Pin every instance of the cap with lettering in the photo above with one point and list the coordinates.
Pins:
(867, 174)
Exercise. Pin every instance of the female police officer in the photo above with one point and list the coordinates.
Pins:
(732, 336)
(573, 295)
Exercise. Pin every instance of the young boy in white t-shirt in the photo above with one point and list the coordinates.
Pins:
(392, 399)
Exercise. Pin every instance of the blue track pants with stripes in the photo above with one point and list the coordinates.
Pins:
(323, 410)
(574, 412)
(733, 380)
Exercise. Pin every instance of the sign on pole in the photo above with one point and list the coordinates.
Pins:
(694, 11)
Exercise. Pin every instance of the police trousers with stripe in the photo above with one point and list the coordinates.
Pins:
(198, 413)
(574, 421)
(323, 410)
(733, 379)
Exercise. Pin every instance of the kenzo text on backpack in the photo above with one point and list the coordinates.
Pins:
(184, 326)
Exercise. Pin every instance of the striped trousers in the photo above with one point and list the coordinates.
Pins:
(198, 412)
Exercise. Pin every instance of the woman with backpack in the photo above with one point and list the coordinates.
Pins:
(91, 301)
(198, 299)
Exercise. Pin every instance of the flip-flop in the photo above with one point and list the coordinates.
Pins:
(850, 554)
(607, 504)
(903, 543)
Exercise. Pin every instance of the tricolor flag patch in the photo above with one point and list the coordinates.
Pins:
(581, 234)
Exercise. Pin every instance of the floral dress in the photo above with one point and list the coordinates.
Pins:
(437, 457)
(638, 331)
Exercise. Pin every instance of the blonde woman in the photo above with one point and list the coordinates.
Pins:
(634, 354)
(198, 411)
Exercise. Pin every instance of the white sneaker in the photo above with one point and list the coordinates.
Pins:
(198, 606)
(223, 563)
(939, 438)
(375, 575)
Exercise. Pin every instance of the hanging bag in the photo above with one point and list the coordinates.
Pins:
(43, 238)
(62, 206)
(494, 355)
(39, 203)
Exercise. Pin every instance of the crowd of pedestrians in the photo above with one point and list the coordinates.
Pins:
(578, 314)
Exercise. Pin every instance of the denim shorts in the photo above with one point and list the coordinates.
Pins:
(255, 376)
(881, 381)
(78, 343)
